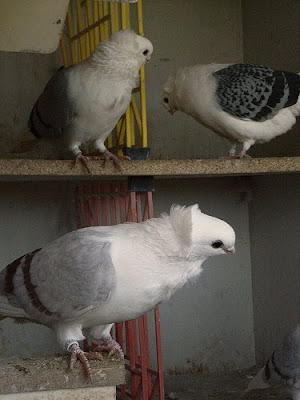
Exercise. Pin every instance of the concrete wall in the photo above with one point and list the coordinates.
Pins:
(23, 77)
(272, 37)
(34, 25)
(274, 232)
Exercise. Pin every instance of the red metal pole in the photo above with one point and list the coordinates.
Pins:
(159, 355)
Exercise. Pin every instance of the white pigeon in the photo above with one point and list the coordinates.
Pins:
(283, 367)
(93, 277)
(245, 103)
(83, 103)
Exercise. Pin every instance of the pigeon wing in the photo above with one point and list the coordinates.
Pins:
(255, 92)
(64, 280)
(54, 110)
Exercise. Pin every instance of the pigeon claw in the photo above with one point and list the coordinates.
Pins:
(84, 161)
(83, 357)
(107, 155)
(110, 346)
(243, 154)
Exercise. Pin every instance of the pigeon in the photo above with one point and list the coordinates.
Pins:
(245, 103)
(83, 103)
(93, 277)
(283, 367)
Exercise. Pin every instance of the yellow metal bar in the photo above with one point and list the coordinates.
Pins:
(96, 18)
(128, 15)
(90, 22)
(114, 17)
(64, 50)
(128, 127)
(143, 107)
(86, 35)
(125, 20)
(70, 33)
(80, 29)
(132, 128)
(125, 24)
(110, 141)
(136, 116)
(121, 134)
(118, 128)
(140, 18)
(105, 24)
(142, 79)
(101, 15)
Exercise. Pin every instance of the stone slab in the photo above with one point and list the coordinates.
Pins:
(102, 393)
(38, 169)
(51, 373)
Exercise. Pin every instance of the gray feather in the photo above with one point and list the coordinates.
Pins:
(54, 110)
(254, 91)
(68, 277)
(284, 364)
(283, 367)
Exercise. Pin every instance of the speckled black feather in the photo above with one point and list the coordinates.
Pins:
(254, 91)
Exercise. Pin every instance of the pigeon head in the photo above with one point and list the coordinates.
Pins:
(143, 49)
(212, 236)
(123, 51)
(167, 97)
(136, 46)
(204, 236)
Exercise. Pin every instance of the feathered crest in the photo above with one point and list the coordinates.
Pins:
(169, 85)
(123, 37)
(181, 219)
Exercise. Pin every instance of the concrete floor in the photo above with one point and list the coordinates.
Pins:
(218, 386)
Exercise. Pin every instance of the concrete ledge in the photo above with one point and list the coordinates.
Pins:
(101, 393)
(50, 373)
(37, 169)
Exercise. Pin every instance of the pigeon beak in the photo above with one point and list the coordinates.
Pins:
(171, 111)
(230, 250)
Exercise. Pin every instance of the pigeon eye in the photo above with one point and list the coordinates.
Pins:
(145, 52)
(166, 100)
(217, 244)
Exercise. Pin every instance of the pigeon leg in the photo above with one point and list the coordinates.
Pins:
(246, 147)
(109, 345)
(83, 357)
(84, 161)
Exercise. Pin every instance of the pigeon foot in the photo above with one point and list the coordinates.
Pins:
(107, 155)
(84, 161)
(109, 345)
(83, 357)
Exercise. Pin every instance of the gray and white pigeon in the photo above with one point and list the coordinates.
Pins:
(283, 367)
(93, 277)
(245, 103)
(83, 103)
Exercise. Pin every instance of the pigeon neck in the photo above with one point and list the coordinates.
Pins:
(115, 62)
